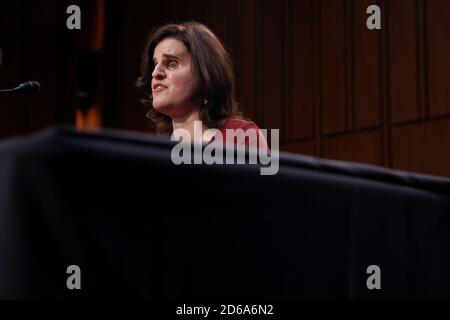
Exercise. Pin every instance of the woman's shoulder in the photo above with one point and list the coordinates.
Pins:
(237, 123)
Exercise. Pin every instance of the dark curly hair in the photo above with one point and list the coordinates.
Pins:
(213, 73)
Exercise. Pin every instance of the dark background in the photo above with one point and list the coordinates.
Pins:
(307, 67)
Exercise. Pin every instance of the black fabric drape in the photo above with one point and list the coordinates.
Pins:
(139, 226)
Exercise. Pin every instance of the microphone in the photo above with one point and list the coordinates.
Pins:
(29, 86)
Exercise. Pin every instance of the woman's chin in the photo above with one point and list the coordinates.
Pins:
(162, 108)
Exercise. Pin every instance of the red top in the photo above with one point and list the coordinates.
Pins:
(246, 126)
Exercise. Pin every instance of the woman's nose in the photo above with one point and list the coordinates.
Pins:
(158, 73)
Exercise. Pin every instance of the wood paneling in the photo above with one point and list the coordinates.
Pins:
(12, 69)
(272, 62)
(333, 65)
(37, 46)
(306, 147)
(403, 60)
(422, 147)
(438, 33)
(41, 49)
(223, 21)
(366, 61)
(359, 147)
(245, 57)
(136, 19)
(302, 58)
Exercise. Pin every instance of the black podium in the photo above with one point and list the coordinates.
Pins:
(138, 226)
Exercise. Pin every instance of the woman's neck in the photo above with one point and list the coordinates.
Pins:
(187, 122)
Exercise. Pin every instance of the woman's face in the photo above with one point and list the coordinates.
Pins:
(172, 78)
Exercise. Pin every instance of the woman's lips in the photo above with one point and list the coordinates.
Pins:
(159, 88)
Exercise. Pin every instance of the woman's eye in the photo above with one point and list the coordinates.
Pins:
(173, 65)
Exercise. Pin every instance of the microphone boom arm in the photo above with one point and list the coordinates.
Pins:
(29, 86)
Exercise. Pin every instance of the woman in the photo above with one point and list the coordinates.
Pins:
(187, 76)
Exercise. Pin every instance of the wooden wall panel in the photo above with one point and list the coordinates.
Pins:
(198, 9)
(171, 9)
(245, 57)
(51, 53)
(438, 33)
(272, 62)
(306, 148)
(422, 147)
(359, 147)
(42, 57)
(12, 69)
(37, 47)
(134, 29)
(302, 57)
(333, 65)
(223, 22)
(366, 71)
(403, 60)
